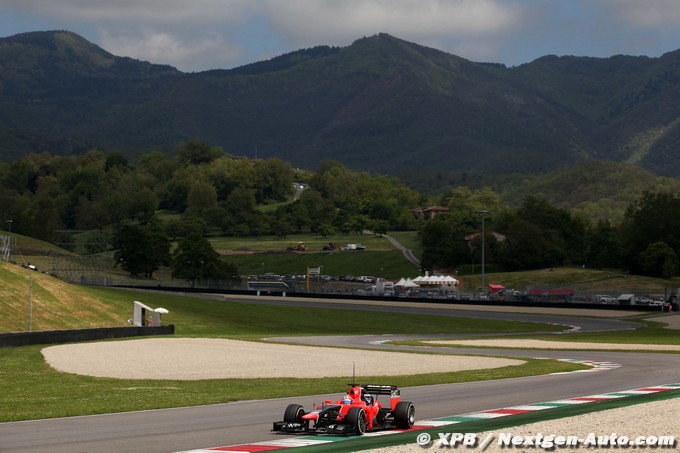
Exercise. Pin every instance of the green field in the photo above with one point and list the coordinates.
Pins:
(259, 255)
(390, 264)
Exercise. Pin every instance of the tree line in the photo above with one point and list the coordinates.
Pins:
(211, 193)
(208, 193)
(539, 235)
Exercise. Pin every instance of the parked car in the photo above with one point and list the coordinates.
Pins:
(605, 299)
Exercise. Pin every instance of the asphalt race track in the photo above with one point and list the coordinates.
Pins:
(172, 430)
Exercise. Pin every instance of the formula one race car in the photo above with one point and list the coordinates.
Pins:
(357, 412)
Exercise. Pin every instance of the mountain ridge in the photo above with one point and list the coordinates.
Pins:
(381, 104)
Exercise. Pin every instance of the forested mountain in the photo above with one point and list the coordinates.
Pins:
(381, 104)
(596, 189)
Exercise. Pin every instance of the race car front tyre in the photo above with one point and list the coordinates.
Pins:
(293, 414)
(356, 418)
(404, 415)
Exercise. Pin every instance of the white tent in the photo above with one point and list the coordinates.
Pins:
(410, 284)
(406, 283)
(436, 280)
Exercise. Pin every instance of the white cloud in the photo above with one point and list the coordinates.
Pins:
(180, 51)
(297, 23)
(314, 20)
(205, 34)
(647, 13)
(156, 11)
(190, 35)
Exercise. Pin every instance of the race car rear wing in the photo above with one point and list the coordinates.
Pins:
(376, 389)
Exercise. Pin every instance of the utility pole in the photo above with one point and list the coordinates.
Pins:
(483, 213)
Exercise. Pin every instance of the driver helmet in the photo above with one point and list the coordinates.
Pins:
(346, 399)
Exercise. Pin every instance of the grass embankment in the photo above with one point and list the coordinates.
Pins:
(55, 304)
(578, 278)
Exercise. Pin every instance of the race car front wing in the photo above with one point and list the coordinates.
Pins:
(333, 428)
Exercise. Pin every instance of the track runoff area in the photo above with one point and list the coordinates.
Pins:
(460, 431)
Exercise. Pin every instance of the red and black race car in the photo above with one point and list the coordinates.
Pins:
(357, 412)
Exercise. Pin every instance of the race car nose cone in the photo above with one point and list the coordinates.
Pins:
(311, 416)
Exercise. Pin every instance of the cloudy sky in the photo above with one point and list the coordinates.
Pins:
(197, 35)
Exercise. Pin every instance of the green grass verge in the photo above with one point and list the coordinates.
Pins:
(220, 318)
(33, 390)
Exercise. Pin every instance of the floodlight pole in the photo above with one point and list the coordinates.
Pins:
(483, 213)
(30, 297)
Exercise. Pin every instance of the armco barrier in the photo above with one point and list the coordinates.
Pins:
(69, 336)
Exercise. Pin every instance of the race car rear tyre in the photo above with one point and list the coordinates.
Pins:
(404, 415)
(356, 418)
(293, 414)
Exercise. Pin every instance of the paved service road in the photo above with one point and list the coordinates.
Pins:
(172, 430)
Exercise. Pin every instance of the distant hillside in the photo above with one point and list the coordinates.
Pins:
(381, 104)
(599, 190)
